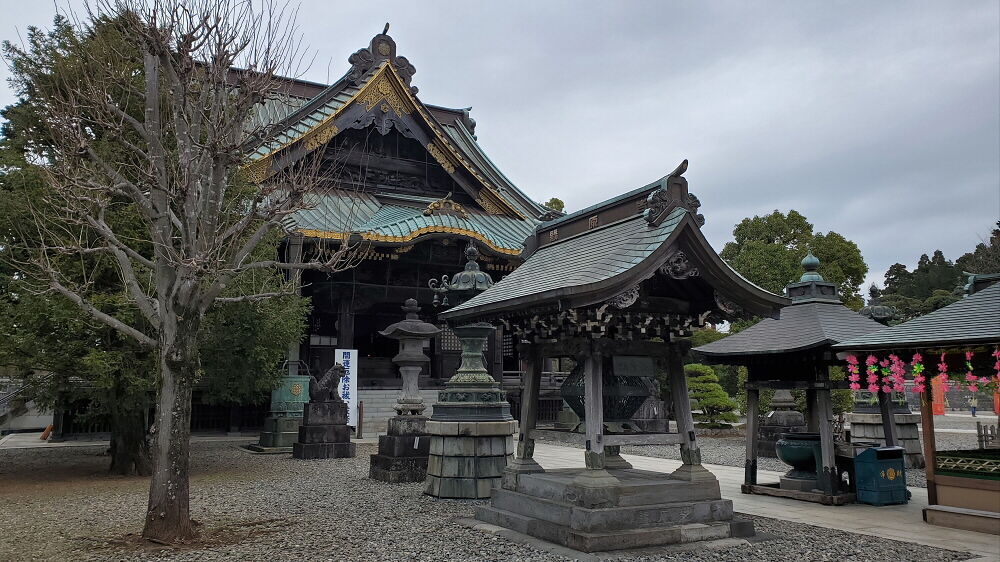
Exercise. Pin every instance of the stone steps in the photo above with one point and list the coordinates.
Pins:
(613, 540)
(614, 518)
(379, 406)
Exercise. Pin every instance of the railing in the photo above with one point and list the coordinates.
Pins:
(549, 379)
(12, 391)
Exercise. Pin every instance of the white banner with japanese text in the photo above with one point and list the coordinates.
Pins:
(349, 384)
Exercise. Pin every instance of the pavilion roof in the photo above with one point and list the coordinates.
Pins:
(799, 327)
(592, 255)
(973, 320)
(816, 318)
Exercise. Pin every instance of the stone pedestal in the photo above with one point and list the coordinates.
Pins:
(868, 427)
(467, 459)
(637, 509)
(402, 454)
(281, 426)
(324, 433)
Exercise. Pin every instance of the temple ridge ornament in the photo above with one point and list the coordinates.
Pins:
(679, 267)
(382, 48)
(625, 299)
(446, 206)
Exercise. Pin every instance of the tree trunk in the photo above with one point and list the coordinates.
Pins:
(129, 446)
(168, 515)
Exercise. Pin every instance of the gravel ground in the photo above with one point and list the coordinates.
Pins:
(59, 504)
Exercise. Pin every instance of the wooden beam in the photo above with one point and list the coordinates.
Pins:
(532, 367)
(682, 407)
(594, 403)
(888, 422)
(609, 440)
(828, 475)
(753, 405)
(644, 439)
(930, 447)
(799, 385)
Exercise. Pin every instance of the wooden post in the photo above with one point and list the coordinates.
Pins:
(361, 419)
(345, 325)
(531, 364)
(827, 467)
(753, 414)
(691, 468)
(930, 448)
(594, 407)
(888, 422)
(813, 416)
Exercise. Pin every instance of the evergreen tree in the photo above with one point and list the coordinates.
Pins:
(716, 406)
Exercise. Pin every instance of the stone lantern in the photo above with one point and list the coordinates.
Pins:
(464, 285)
(402, 452)
(472, 431)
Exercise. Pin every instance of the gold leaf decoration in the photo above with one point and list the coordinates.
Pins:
(381, 89)
(440, 157)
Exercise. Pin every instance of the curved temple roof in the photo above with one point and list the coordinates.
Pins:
(379, 81)
(340, 214)
(592, 255)
(816, 318)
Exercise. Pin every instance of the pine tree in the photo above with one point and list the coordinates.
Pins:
(716, 406)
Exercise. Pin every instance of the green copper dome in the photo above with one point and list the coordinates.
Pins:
(810, 263)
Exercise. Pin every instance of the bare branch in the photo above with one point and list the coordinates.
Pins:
(111, 321)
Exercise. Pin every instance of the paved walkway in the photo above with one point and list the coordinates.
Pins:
(899, 522)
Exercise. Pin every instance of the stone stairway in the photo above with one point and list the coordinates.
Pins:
(378, 407)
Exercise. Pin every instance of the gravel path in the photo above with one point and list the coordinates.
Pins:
(59, 504)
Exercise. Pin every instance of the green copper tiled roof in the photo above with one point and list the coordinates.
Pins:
(317, 110)
(333, 214)
(972, 320)
(587, 258)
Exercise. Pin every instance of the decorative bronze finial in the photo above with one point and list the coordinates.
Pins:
(385, 31)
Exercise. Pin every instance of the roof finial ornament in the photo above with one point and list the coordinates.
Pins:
(671, 193)
(382, 48)
(811, 264)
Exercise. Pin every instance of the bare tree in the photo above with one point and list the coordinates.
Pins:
(165, 141)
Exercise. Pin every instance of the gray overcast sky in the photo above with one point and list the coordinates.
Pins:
(879, 120)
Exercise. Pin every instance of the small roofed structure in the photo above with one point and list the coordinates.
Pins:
(615, 287)
(793, 351)
(963, 341)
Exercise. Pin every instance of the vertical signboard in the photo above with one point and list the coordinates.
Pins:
(349, 384)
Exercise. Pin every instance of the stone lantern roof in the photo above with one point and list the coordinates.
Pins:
(411, 327)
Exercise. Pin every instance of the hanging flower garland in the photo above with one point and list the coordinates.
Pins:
(917, 368)
(942, 376)
(872, 368)
(855, 371)
(889, 375)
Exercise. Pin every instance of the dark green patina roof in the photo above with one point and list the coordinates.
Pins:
(390, 219)
(972, 320)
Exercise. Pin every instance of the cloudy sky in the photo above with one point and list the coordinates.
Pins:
(879, 120)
